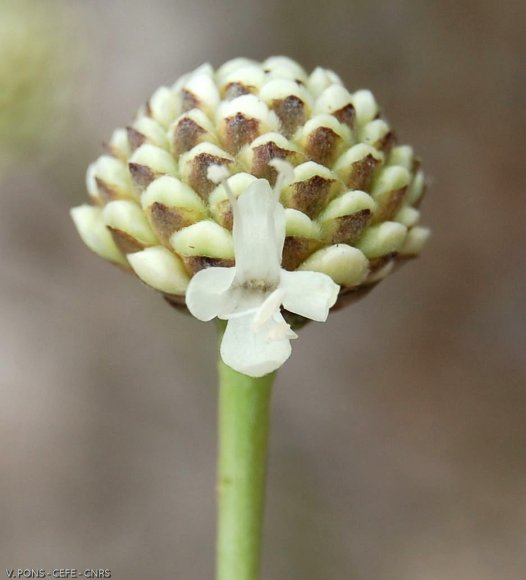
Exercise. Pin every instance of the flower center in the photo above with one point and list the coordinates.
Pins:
(262, 286)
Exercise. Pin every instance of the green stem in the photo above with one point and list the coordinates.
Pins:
(244, 408)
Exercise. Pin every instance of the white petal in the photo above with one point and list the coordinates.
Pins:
(309, 294)
(252, 353)
(259, 233)
(208, 293)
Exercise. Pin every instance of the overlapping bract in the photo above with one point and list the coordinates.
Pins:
(351, 209)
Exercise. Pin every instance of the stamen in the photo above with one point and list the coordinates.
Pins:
(280, 330)
(285, 174)
(266, 311)
(219, 174)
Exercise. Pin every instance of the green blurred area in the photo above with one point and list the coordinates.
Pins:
(399, 426)
(36, 76)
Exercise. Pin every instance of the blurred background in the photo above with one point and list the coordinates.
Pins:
(399, 427)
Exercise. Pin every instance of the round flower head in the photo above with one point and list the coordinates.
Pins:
(259, 194)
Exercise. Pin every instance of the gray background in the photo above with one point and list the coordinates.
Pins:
(398, 436)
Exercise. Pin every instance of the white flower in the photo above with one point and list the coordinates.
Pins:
(250, 294)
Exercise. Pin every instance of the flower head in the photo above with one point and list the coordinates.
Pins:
(348, 208)
(250, 294)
